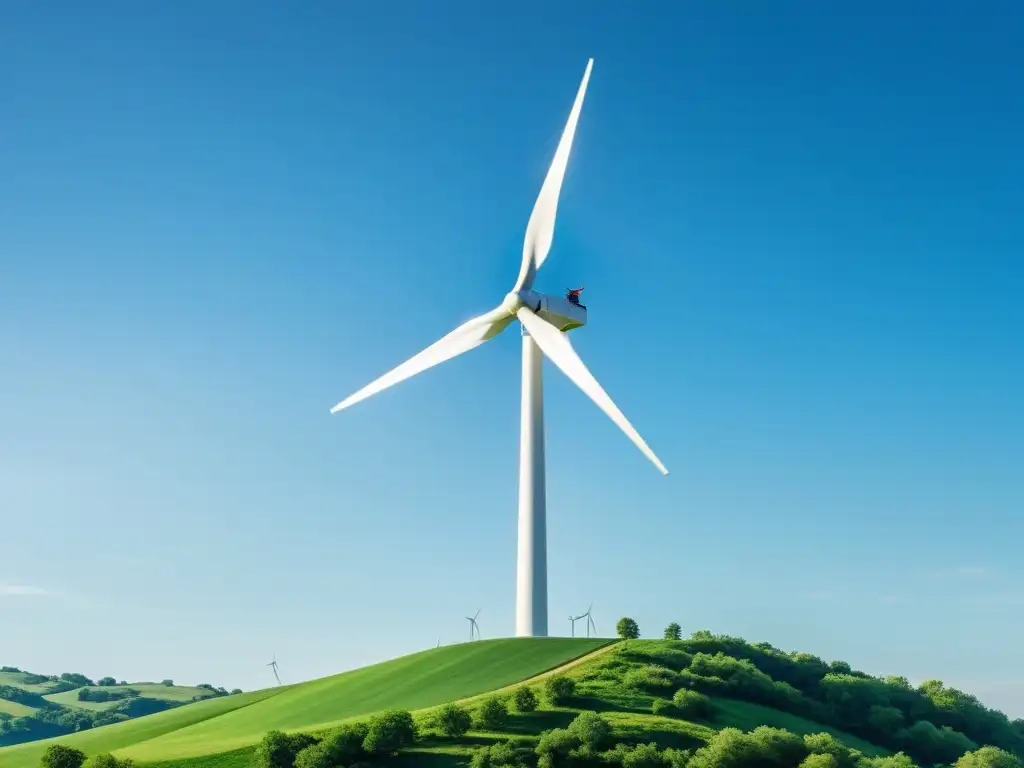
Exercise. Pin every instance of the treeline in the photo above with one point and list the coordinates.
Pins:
(21, 696)
(103, 694)
(931, 722)
(50, 719)
(53, 720)
(588, 741)
(875, 705)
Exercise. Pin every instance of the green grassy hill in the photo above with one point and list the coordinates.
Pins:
(20, 680)
(14, 709)
(412, 682)
(710, 701)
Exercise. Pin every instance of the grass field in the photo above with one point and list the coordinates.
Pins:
(627, 711)
(14, 709)
(17, 679)
(113, 737)
(412, 682)
(174, 693)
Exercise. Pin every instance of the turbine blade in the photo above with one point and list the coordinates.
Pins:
(540, 230)
(559, 350)
(467, 336)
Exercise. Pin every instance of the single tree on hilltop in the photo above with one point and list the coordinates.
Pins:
(627, 629)
(673, 631)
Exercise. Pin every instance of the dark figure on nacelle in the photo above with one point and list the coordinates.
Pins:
(573, 295)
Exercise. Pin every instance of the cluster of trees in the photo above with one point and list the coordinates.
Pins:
(21, 696)
(219, 691)
(50, 719)
(352, 745)
(53, 720)
(932, 723)
(99, 695)
(589, 741)
(62, 756)
(628, 629)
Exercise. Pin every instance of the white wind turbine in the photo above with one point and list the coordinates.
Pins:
(474, 628)
(273, 666)
(544, 320)
(590, 621)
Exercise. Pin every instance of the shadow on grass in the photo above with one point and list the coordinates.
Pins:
(606, 704)
(468, 741)
(534, 723)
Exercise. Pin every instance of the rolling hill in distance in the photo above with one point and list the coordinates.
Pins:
(35, 706)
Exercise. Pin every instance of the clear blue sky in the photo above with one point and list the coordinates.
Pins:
(800, 233)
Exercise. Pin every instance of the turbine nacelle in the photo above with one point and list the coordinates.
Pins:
(556, 310)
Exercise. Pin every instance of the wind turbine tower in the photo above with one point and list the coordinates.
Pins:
(545, 320)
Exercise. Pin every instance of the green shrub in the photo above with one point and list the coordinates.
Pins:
(664, 708)
(676, 758)
(510, 754)
(453, 721)
(637, 756)
(591, 730)
(820, 760)
(652, 678)
(107, 760)
(389, 732)
(278, 750)
(61, 756)
(692, 704)
(988, 757)
(728, 748)
(345, 744)
(556, 744)
(493, 713)
(559, 690)
(314, 756)
(779, 746)
(827, 744)
(524, 699)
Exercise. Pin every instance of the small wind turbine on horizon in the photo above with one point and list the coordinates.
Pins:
(545, 321)
(572, 621)
(273, 666)
(588, 617)
(590, 621)
(474, 628)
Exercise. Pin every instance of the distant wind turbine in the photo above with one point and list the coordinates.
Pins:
(273, 666)
(474, 628)
(573, 620)
(590, 621)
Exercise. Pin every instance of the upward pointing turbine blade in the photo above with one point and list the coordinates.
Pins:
(559, 350)
(540, 230)
(467, 336)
